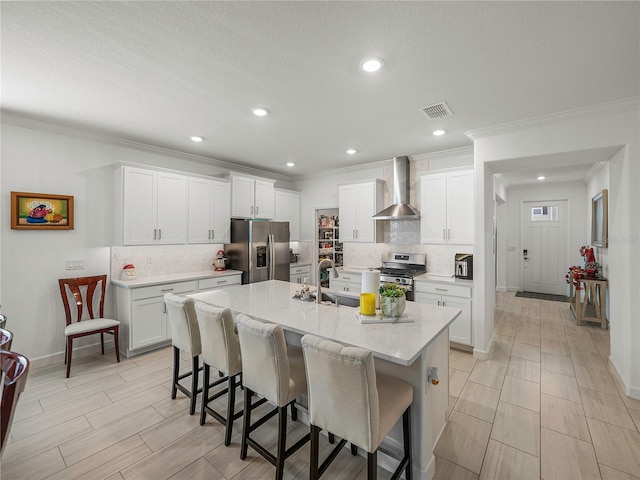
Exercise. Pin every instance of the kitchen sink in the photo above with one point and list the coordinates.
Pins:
(344, 300)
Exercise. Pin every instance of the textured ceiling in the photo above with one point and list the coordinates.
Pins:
(158, 72)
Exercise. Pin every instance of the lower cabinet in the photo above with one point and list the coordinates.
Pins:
(298, 273)
(346, 282)
(143, 321)
(455, 296)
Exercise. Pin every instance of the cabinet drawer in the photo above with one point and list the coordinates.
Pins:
(440, 289)
(351, 277)
(207, 283)
(160, 290)
(299, 270)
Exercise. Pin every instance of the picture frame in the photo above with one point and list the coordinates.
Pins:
(600, 220)
(41, 211)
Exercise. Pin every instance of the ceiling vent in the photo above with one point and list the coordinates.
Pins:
(437, 110)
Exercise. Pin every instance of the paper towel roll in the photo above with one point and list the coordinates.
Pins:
(371, 283)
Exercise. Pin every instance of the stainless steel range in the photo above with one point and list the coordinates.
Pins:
(400, 268)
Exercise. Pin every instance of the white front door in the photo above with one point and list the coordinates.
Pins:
(544, 246)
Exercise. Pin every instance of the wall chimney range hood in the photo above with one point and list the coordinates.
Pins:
(400, 210)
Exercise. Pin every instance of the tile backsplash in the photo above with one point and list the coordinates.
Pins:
(152, 260)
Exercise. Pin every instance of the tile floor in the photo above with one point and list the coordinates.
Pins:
(544, 405)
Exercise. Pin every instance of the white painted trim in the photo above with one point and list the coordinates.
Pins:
(630, 391)
(514, 289)
(593, 111)
(501, 289)
(454, 152)
(484, 354)
(58, 358)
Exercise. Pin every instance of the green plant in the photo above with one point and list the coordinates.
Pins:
(391, 290)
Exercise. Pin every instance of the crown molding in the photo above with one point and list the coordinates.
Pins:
(34, 123)
(592, 111)
(453, 152)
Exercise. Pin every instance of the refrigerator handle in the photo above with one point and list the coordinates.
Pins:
(272, 256)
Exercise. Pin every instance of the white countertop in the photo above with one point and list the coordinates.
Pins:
(272, 301)
(447, 280)
(300, 264)
(173, 277)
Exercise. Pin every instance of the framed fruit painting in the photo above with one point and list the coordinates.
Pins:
(41, 211)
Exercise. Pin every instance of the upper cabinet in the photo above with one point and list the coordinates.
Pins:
(287, 209)
(209, 210)
(446, 208)
(151, 207)
(252, 197)
(358, 203)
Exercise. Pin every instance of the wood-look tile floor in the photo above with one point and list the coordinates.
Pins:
(544, 405)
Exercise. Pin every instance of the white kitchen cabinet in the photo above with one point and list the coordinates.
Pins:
(151, 207)
(252, 197)
(206, 284)
(346, 282)
(287, 209)
(446, 208)
(298, 273)
(454, 296)
(209, 210)
(358, 203)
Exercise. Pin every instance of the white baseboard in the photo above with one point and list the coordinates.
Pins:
(513, 289)
(58, 358)
(629, 390)
(501, 289)
(484, 354)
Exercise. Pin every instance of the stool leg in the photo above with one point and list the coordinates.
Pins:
(282, 441)
(195, 364)
(231, 403)
(406, 429)
(332, 438)
(116, 343)
(69, 353)
(246, 423)
(176, 370)
(354, 450)
(205, 393)
(294, 411)
(372, 465)
(313, 460)
(102, 341)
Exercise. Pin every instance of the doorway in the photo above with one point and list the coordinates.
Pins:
(544, 226)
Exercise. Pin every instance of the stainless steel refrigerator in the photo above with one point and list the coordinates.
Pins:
(259, 249)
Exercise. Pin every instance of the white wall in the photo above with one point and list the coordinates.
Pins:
(575, 192)
(32, 261)
(610, 125)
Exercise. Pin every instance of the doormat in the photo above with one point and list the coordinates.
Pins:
(543, 296)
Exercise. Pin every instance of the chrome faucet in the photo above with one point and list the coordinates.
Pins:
(329, 263)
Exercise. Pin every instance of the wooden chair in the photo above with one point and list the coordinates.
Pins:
(14, 368)
(5, 339)
(81, 328)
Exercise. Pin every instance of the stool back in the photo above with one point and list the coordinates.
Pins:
(343, 395)
(5, 339)
(220, 344)
(3, 320)
(185, 333)
(265, 364)
(13, 370)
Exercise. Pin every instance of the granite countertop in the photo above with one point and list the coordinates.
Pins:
(172, 277)
(272, 301)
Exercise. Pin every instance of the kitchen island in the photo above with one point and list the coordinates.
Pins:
(405, 350)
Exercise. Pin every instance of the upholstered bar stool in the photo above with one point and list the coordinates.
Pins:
(220, 350)
(350, 399)
(274, 371)
(185, 336)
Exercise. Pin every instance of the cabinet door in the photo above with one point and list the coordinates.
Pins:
(365, 209)
(287, 209)
(264, 199)
(460, 329)
(347, 213)
(337, 283)
(242, 199)
(148, 323)
(140, 207)
(460, 205)
(428, 298)
(433, 209)
(199, 210)
(220, 212)
(172, 208)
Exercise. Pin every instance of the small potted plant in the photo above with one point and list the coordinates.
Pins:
(392, 300)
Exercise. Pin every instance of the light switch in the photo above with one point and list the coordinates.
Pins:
(75, 264)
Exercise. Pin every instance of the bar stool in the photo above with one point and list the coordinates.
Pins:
(220, 350)
(6, 337)
(350, 399)
(185, 335)
(274, 371)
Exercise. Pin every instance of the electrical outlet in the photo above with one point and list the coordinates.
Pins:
(75, 264)
(511, 249)
(149, 260)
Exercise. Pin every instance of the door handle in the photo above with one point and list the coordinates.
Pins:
(159, 234)
(251, 209)
(154, 233)
(257, 210)
(444, 234)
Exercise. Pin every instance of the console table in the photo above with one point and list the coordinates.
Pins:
(595, 294)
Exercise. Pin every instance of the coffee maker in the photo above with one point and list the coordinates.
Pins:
(464, 266)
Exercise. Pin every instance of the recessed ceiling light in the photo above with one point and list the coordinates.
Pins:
(371, 65)
(260, 112)
(291, 164)
(437, 133)
(541, 177)
(196, 138)
(352, 151)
